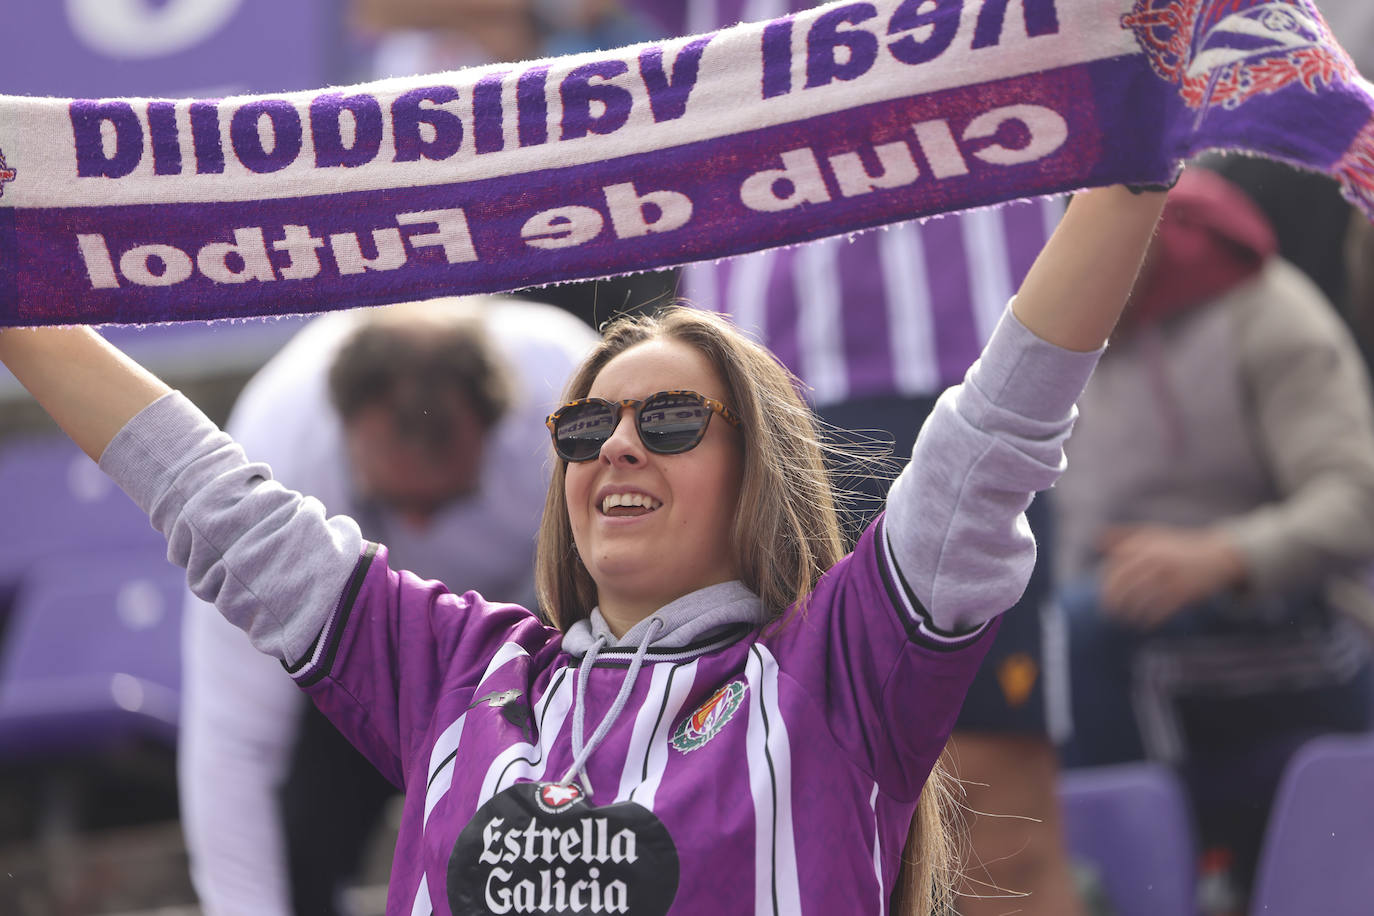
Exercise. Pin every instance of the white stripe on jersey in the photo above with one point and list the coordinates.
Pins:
(507, 652)
(777, 890)
(441, 782)
(516, 762)
(911, 334)
(647, 756)
(441, 758)
(989, 267)
(445, 746)
(422, 905)
(877, 852)
(820, 328)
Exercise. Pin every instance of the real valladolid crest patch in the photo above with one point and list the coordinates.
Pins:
(710, 717)
(836, 119)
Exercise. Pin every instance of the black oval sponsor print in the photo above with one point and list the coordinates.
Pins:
(541, 848)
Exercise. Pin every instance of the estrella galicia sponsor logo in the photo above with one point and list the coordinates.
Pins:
(541, 848)
(710, 717)
(7, 174)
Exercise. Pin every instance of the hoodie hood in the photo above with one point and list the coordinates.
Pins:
(690, 620)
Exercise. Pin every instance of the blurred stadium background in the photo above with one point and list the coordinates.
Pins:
(88, 808)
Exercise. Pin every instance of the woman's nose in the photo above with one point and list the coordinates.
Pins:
(624, 446)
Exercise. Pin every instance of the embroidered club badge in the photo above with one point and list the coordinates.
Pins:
(710, 717)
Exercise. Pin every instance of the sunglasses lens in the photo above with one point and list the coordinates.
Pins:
(671, 423)
(580, 431)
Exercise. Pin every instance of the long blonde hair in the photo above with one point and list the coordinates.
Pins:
(786, 531)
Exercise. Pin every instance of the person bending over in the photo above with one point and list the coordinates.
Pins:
(424, 423)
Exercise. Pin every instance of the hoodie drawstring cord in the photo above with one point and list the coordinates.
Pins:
(582, 753)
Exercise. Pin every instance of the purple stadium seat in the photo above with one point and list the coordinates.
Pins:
(57, 501)
(92, 656)
(1319, 845)
(1131, 823)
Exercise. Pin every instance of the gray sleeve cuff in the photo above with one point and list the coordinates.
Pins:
(955, 515)
(1030, 377)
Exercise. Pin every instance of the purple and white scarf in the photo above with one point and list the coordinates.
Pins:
(845, 117)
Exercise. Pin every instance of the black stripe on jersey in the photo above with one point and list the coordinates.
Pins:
(440, 768)
(910, 610)
(547, 699)
(772, 779)
(621, 656)
(334, 626)
(658, 722)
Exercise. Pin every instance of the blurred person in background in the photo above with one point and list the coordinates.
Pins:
(1216, 522)
(424, 422)
(1352, 22)
(1359, 292)
(877, 326)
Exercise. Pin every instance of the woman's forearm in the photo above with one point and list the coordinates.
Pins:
(88, 387)
(1075, 291)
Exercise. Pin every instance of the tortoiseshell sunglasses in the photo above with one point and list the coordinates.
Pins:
(668, 422)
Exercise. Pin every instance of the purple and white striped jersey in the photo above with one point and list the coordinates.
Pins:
(702, 802)
(901, 311)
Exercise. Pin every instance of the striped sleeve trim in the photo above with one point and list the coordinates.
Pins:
(318, 661)
(912, 613)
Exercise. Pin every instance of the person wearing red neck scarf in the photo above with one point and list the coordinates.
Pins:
(1216, 518)
(1211, 239)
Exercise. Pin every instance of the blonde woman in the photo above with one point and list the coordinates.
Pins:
(730, 717)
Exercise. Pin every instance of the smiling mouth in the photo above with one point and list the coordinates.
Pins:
(628, 505)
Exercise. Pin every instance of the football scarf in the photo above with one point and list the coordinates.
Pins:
(846, 117)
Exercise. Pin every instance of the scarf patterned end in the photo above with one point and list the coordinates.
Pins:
(1228, 53)
(1355, 170)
